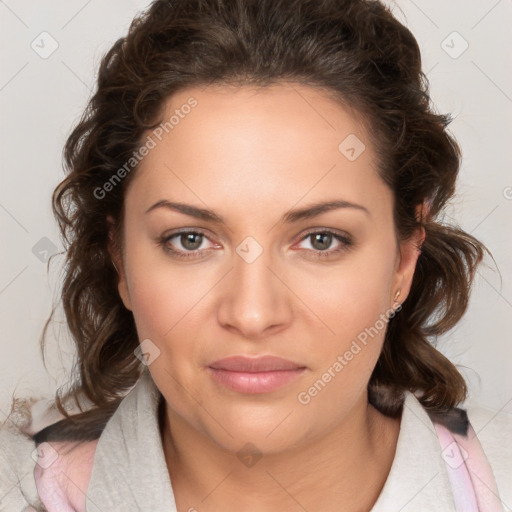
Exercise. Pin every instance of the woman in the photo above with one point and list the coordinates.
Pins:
(255, 274)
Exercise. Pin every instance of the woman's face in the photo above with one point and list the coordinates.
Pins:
(249, 164)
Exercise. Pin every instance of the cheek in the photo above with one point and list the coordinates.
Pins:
(345, 361)
(161, 301)
(167, 299)
(353, 296)
(354, 303)
(154, 294)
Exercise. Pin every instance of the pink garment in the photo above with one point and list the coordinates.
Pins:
(62, 474)
(473, 484)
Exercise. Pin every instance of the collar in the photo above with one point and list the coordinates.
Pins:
(130, 471)
(418, 480)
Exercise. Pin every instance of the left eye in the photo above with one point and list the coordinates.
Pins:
(322, 240)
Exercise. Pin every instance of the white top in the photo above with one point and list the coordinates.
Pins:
(130, 472)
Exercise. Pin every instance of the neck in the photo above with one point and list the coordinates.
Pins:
(344, 470)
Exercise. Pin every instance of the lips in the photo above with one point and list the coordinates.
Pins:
(253, 365)
(263, 374)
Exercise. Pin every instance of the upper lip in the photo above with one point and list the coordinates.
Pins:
(255, 364)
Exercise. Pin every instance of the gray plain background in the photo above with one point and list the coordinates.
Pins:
(50, 52)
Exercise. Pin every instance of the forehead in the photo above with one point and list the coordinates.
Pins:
(261, 119)
(276, 144)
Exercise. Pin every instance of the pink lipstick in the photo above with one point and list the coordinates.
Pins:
(255, 375)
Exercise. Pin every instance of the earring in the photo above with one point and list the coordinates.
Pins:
(397, 294)
(114, 265)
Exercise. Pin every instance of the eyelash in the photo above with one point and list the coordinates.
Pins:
(346, 243)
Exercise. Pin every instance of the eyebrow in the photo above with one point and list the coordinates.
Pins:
(289, 217)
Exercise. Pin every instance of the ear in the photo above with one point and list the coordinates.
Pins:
(117, 262)
(410, 250)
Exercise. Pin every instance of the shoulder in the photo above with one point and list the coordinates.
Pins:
(18, 458)
(47, 476)
(63, 472)
(494, 431)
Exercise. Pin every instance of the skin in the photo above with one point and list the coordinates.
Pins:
(252, 155)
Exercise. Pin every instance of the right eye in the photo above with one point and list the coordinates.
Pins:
(190, 242)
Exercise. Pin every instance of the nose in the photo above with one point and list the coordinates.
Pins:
(255, 300)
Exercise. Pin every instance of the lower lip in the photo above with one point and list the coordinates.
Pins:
(255, 382)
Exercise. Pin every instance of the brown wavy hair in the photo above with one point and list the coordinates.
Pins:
(356, 50)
